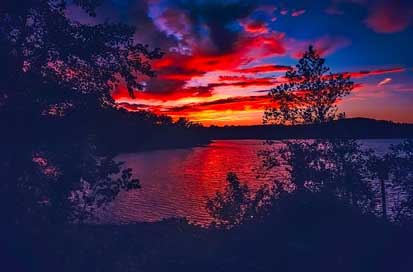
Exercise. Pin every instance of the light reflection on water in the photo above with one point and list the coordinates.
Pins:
(176, 182)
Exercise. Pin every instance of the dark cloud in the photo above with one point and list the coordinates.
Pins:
(209, 21)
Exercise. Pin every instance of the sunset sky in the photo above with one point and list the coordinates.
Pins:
(223, 55)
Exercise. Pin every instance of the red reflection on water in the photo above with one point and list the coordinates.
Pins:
(176, 183)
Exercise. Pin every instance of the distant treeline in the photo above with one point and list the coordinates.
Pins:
(123, 131)
(359, 128)
(118, 130)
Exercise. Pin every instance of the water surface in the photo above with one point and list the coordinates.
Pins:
(176, 182)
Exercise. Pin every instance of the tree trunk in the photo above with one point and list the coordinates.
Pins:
(383, 198)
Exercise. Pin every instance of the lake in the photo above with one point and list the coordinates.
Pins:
(177, 182)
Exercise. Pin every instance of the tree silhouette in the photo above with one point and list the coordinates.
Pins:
(380, 167)
(58, 76)
(238, 204)
(229, 207)
(395, 172)
(42, 44)
(310, 94)
(310, 97)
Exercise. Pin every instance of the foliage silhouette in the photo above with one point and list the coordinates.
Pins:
(336, 165)
(58, 74)
(310, 94)
(238, 204)
(229, 207)
(394, 171)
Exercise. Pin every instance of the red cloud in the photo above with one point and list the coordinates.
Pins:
(175, 70)
(265, 69)
(375, 72)
(121, 94)
(232, 78)
(254, 26)
(328, 45)
(242, 82)
(390, 16)
(233, 103)
(284, 12)
(246, 49)
(298, 12)
(325, 46)
(384, 16)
